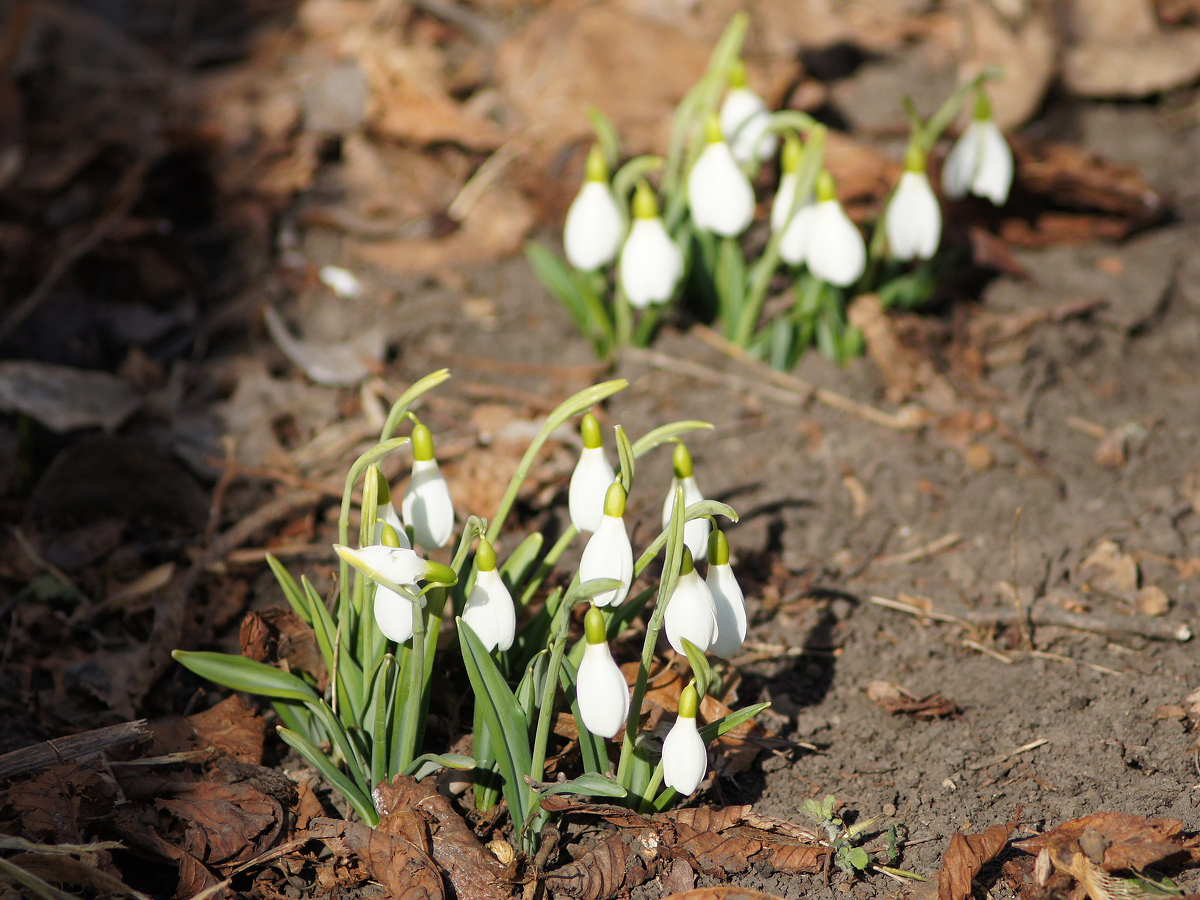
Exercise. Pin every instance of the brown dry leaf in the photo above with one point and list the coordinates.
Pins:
(905, 371)
(403, 868)
(967, 855)
(494, 227)
(232, 727)
(1115, 841)
(277, 635)
(1109, 569)
(88, 871)
(1152, 601)
(1133, 65)
(1054, 229)
(224, 824)
(1070, 176)
(894, 699)
(57, 804)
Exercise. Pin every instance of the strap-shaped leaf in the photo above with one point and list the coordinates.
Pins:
(425, 765)
(589, 785)
(664, 433)
(714, 730)
(699, 663)
(521, 562)
(321, 763)
(625, 455)
(242, 674)
(556, 278)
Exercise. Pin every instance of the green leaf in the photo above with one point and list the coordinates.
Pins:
(590, 588)
(405, 400)
(665, 433)
(606, 136)
(520, 563)
(556, 278)
(380, 712)
(425, 765)
(625, 453)
(291, 590)
(859, 858)
(714, 730)
(590, 785)
(506, 723)
(730, 283)
(242, 674)
(699, 664)
(319, 761)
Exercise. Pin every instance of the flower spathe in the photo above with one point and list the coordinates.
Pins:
(834, 250)
(427, 506)
(720, 197)
(590, 480)
(729, 602)
(913, 218)
(592, 233)
(651, 264)
(695, 531)
(745, 119)
(601, 689)
(489, 609)
(691, 613)
(398, 565)
(608, 553)
(684, 756)
(981, 162)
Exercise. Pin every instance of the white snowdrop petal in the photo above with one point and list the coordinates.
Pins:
(341, 281)
(695, 532)
(592, 232)
(914, 219)
(720, 197)
(489, 611)
(993, 179)
(835, 251)
(650, 264)
(602, 692)
(427, 506)
(608, 554)
(396, 564)
(730, 605)
(393, 614)
(589, 483)
(744, 122)
(684, 756)
(961, 163)
(387, 512)
(690, 613)
(793, 246)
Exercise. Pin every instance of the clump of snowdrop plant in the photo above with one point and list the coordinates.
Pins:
(686, 223)
(529, 651)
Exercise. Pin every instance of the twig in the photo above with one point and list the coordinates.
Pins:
(988, 651)
(698, 370)
(1005, 757)
(47, 753)
(126, 194)
(1041, 654)
(945, 542)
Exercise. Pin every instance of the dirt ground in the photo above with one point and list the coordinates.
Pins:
(1018, 531)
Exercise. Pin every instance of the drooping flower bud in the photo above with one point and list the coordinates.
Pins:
(913, 218)
(720, 197)
(591, 478)
(608, 553)
(684, 756)
(728, 600)
(592, 232)
(397, 565)
(745, 118)
(489, 609)
(427, 506)
(386, 513)
(834, 249)
(981, 162)
(691, 612)
(695, 531)
(651, 264)
(600, 686)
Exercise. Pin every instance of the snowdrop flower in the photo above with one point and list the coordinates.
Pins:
(342, 282)
(695, 531)
(691, 612)
(981, 162)
(834, 248)
(489, 609)
(608, 553)
(591, 478)
(728, 600)
(600, 686)
(651, 264)
(385, 513)
(427, 506)
(684, 756)
(593, 230)
(913, 218)
(795, 223)
(744, 120)
(720, 197)
(398, 566)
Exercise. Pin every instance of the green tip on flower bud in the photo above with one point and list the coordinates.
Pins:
(614, 500)
(439, 573)
(681, 461)
(712, 129)
(589, 430)
(595, 631)
(689, 702)
(983, 106)
(383, 493)
(485, 556)
(718, 548)
(422, 443)
(687, 567)
(826, 189)
(645, 204)
(737, 75)
(914, 158)
(793, 150)
(390, 537)
(597, 165)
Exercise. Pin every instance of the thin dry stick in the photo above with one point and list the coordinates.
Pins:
(945, 542)
(1023, 625)
(697, 370)
(47, 753)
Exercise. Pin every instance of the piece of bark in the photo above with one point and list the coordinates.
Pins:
(38, 756)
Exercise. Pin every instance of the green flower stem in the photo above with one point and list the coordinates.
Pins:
(405, 400)
(646, 325)
(651, 789)
(622, 318)
(546, 566)
(946, 113)
(414, 693)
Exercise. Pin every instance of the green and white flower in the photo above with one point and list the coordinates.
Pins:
(913, 218)
(695, 531)
(981, 162)
(720, 197)
(651, 264)
(427, 506)
(489, 609)
(834, 249)
(591, 478)
(608, 553)
(744, 120)
(601, 689)
(691, 613)
(684, 756)
(728, 600)
(592, 233)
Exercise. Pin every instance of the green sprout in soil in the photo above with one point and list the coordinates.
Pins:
(633, 251)
(845, 841)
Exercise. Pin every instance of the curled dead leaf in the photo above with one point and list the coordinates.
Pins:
(967, 855)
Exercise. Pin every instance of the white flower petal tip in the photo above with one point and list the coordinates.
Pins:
(684, 756)
(490, 611)
(720, 197)
(730, 605)
(398, 565)
(794, 244)
(608, 554)
(393, 614)
(914, 219)
(589, 483)
(342, 282)
(427, 506)
(695, 531)
(592, 233)
(981, 163)
(650, 265)
(835, 251)
(602, 692)
(744, 121)
(691, 613)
